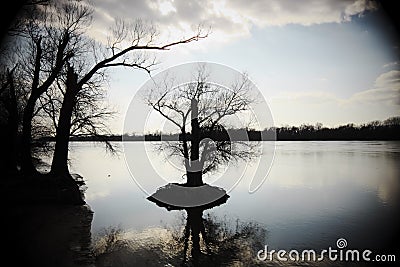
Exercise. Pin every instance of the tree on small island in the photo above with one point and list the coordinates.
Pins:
(208, 106)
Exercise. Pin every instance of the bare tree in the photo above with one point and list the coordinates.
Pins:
(50, 39)
(90, 112)
(12, 82)
(209, 106)
(56, 35)
(55, 51)
(126, 47)
(8, 120)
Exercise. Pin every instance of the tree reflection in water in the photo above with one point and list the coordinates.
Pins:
(200, 239)
(209, 241)
(205, 240)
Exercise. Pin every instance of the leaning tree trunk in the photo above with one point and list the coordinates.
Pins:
(12, 126)
(26, 158)
(59, 164)
(10, 131)
(69, 189)
(194, 174)
(27, 166)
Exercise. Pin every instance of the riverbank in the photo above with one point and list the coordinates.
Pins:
(48, 235)
(43, 224)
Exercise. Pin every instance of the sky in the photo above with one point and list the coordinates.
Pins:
(333, 62)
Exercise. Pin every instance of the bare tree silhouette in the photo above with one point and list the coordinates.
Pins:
(9, 120)
(49, 39)
(140, 37)
(64, 73)
(206, 143)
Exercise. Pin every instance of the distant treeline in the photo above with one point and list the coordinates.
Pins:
(376, 130)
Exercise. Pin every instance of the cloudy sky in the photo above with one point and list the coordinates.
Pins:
(333, 62)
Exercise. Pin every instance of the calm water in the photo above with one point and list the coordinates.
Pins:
(315, 193)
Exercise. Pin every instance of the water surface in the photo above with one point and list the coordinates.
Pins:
(315, 193)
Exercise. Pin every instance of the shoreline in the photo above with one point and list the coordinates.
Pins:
(49, 235)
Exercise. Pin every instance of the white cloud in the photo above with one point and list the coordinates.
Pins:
(283, 12)
(386, 90)
(378, 103)
(307, 97)
(391, 64)
(228, 19)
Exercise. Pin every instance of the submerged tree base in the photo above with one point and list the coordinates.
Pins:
(174, 196)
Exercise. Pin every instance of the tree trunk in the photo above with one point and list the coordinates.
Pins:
(9, 127)
(12, 127)
(59, 164)
(27, 165)
(194, 174)
(69, 191)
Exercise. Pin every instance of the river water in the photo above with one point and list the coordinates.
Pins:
(314, 194)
